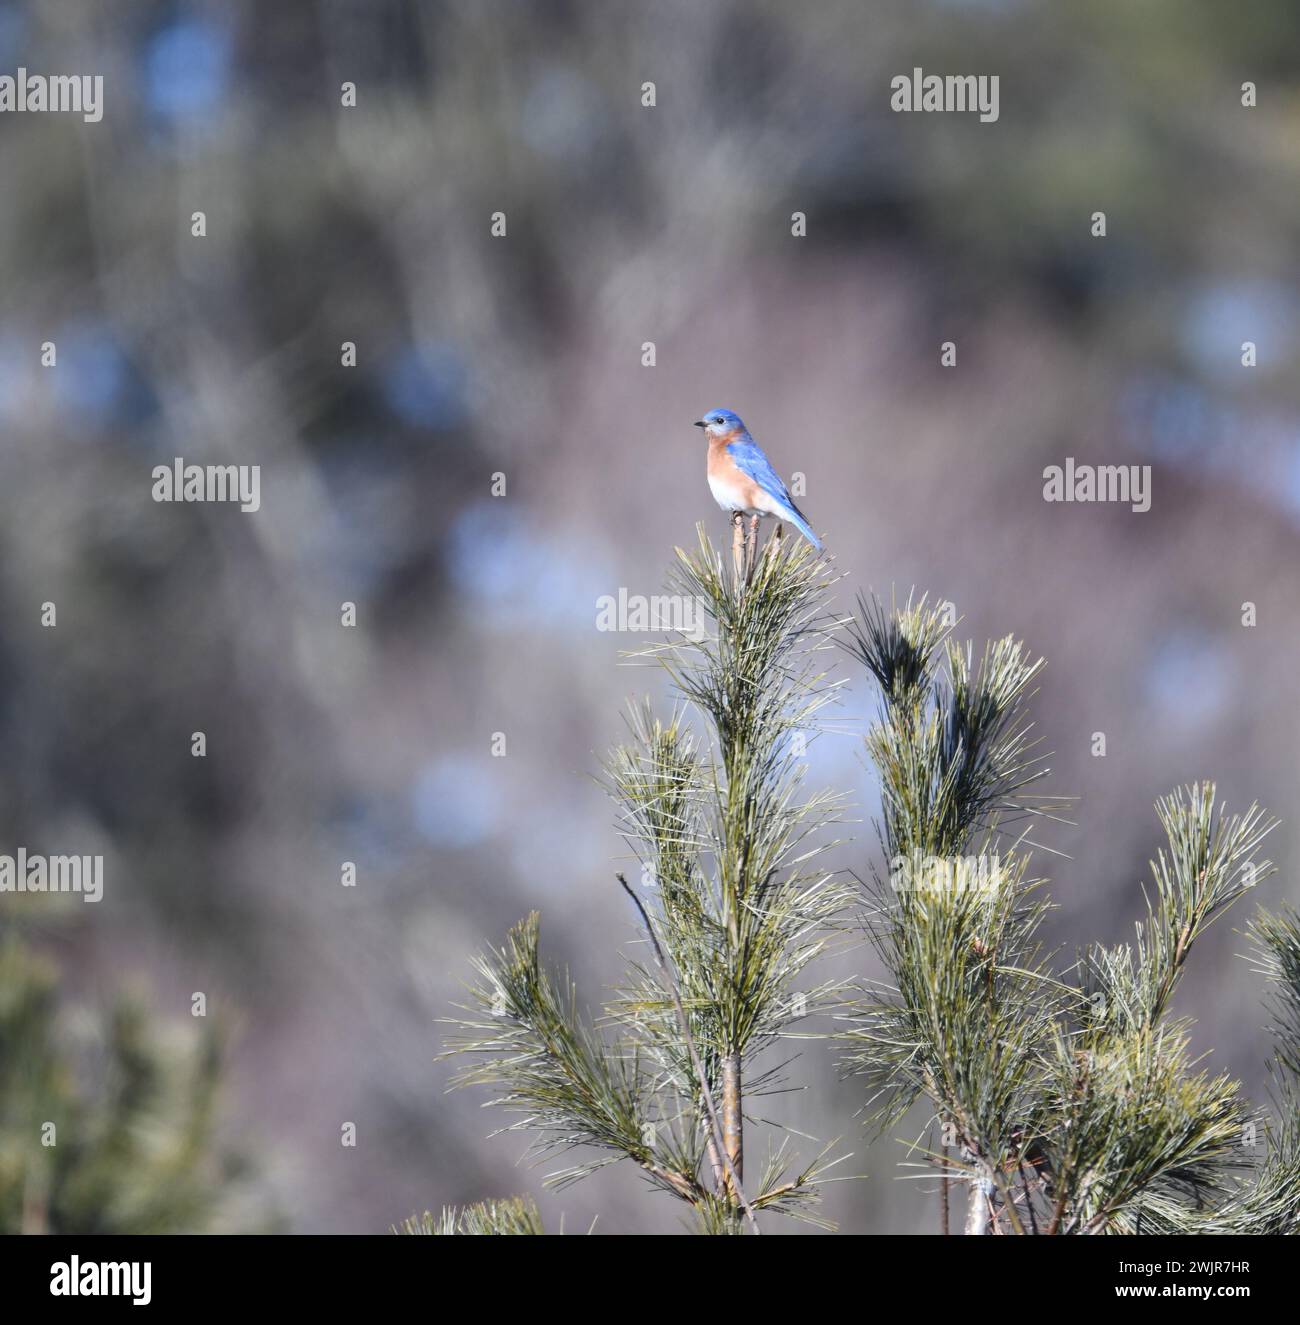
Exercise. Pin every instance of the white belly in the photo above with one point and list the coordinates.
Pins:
(730, 497)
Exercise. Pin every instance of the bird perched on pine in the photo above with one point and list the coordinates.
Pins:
(742, 479)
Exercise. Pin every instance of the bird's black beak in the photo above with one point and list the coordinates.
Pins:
(699, 423)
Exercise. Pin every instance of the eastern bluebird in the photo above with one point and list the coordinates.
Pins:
(741, 477)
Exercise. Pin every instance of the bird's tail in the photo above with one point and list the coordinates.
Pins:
(796, 517)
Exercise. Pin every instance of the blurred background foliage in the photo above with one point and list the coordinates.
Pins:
(523, 355)
(108, 1123)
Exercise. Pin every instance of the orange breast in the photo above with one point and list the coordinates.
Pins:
(728, 481)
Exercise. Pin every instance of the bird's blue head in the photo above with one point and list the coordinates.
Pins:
(721, 423)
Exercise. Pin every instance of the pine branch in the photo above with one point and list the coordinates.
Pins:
(571, 1091)
(731, 845)
(737, 935)
(1074, 1104)
(717, 1137)
(515, 1216)
(1277, 957)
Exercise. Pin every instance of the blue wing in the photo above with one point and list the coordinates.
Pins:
(751, 461)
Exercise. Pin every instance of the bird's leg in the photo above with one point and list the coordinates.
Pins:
(738, 543)
(774, 543)
(752, 559)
